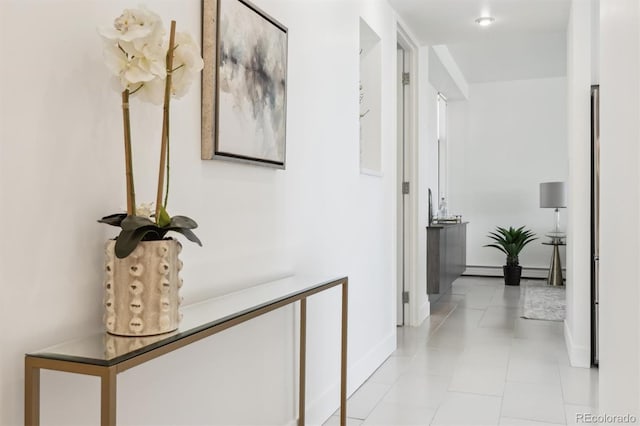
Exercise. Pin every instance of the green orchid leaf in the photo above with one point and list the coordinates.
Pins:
(128, 240)
(163, 218)
(125, 244)
(189, 234)
(139, 228)
(113, 219)
(182, 222)
(131, 223)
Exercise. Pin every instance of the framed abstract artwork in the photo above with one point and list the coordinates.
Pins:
(244, 84)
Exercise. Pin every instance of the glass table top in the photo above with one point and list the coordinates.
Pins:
(556, 234)
(105, 349)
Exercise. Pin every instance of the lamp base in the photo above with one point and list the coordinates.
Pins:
(556, 228)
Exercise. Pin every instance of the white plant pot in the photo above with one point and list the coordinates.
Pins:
(141, 291)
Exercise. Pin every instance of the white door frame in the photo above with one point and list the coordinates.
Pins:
(401, 199)
(412, 313)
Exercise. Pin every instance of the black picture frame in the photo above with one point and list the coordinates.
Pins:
(244, 84)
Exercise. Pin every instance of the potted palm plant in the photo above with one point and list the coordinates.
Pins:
(511, 242)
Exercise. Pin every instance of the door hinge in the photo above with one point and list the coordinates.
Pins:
(405, 297)
(405, 187)
(406, 79)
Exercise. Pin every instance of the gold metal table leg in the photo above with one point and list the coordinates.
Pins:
(108, 397)
(303, 362)
(343, 359)
(31, 393)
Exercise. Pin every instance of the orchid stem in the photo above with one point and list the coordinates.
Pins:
(166, 193)
(177, 68)
(131, 195)
(164, 146)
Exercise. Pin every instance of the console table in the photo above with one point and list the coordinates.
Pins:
(104, 355)
(446, 257)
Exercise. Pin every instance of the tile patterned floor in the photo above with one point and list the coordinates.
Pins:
(474, 361)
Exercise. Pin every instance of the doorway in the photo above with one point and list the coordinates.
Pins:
(406, 167)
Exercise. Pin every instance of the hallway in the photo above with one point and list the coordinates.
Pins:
(474, 361)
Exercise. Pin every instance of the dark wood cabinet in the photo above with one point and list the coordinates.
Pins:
(446, 256)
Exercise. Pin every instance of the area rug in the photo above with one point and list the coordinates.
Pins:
(544, 302)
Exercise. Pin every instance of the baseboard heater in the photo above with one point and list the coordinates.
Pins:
(496, 271)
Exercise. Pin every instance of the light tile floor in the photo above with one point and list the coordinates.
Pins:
(474, 361)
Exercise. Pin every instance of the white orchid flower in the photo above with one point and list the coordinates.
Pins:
(145, 210)
(152, 91)
(187, 63)
(130, 72)
(134, 52)
(134, 24)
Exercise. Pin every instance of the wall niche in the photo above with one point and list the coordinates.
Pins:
(370, 92)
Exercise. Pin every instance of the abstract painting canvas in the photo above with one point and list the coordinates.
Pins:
(244, 86)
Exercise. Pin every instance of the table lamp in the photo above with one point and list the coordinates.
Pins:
(553, 196)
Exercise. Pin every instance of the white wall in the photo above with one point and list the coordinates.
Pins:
(595, 41)
(579, 78)
(61, 168)
(370, 93)
(620, 198)
(506, 139)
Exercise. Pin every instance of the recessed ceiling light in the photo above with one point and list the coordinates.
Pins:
(485, 20)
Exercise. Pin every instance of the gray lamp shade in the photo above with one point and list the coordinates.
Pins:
(553, 195)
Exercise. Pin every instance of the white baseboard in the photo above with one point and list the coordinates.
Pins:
(319, 410)
(423, 312)
(362, 369)
(496, 271)
(579, 356)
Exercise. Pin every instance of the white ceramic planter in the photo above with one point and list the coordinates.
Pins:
(141, 291)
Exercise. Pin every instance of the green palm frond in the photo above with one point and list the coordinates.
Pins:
(511, 241)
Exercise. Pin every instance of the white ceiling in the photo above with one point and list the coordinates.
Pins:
(518, 57)
(527, 39)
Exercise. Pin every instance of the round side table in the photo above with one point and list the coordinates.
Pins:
(555, 269)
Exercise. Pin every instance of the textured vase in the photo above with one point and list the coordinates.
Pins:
(116, 346)
(141, 291)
